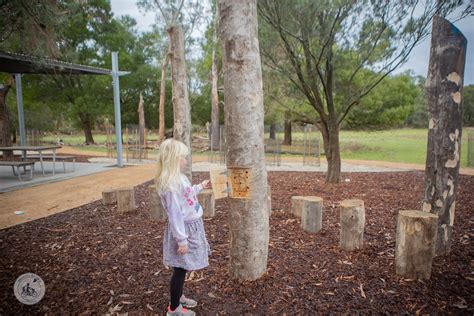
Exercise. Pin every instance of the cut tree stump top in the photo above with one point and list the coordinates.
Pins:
(311, 198)
(352, 203)
(412, 213)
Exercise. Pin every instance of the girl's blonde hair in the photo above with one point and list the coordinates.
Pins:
(168, 177)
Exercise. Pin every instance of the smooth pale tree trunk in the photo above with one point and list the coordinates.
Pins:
(141, 122)
(330, 133)
(214, 103)
(161, 130)
(243, 99)
(181, 106)
(287, 133)
(444, 87)
(5, 132)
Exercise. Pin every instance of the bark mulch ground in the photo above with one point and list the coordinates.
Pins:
(93, 260)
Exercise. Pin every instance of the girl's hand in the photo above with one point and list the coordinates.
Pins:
(206, 184)
(182, 249)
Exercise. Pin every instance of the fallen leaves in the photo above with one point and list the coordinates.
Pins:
(362, 293)
(303, 270)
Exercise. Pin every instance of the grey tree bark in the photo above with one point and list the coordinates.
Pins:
(243, 97)
(444, 87)
(141, 122)
(181, 106)
(5, 132)
(161, 109)
(215, 126)
(214, 104)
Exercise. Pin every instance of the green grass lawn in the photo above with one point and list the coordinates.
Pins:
(402, 145)
(399, 145)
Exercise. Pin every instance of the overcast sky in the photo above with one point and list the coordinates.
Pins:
(418, 60)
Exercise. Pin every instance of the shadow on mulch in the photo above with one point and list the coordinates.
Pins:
(93, 260)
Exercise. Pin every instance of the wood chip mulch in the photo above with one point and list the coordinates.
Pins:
(93, 260)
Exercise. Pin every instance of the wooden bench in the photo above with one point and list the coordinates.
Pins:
(18, 165)
(62, 159)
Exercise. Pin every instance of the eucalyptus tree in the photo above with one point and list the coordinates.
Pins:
(324, 47)
(176, 15)
(243, 97)
(27, 27)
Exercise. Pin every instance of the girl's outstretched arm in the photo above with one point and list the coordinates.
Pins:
(175, 217)
(197, 188)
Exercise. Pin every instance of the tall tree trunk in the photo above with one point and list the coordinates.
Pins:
(5, 132)
(181, 107)
(273, 131)
(141, 121)
(330, 133)
(215, 103)
(162, 126)
(444, 87)
(86, 122)
(243, 94)
(287, 139)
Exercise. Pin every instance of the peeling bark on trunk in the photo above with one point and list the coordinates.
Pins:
(243, 94)
(162, 126)
(215, 103)
(444, 89)
(181, 106)
(287, 140)
(5, 132)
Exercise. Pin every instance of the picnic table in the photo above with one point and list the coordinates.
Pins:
(38, 149)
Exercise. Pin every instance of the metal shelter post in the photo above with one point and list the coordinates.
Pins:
(118, 121)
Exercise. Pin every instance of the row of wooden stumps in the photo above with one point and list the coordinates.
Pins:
(125, 199)
(415, 240)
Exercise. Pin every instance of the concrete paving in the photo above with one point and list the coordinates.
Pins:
(9, 182)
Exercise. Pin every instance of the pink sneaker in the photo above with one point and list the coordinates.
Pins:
(187, 302)
(180, 311)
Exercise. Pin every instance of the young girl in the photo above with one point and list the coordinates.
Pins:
(185, 246)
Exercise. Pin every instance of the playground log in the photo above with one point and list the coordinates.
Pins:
(415, 244)
(126, 199)
(312, 214)
(352, 220)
